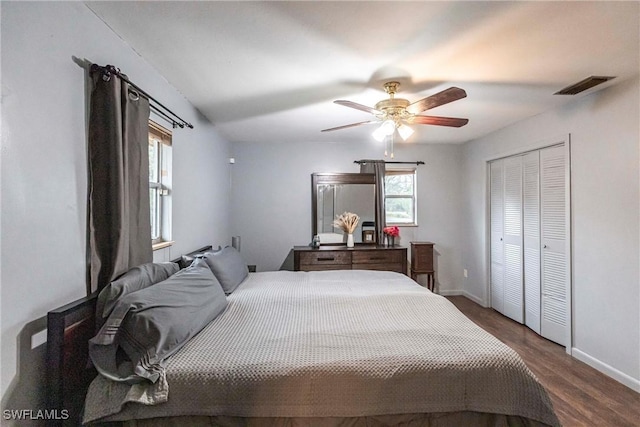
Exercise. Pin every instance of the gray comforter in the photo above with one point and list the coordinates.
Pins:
(333, 343)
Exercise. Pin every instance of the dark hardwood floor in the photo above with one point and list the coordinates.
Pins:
(581, 395)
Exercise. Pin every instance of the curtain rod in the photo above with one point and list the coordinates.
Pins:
(109, 70)
(419, 162)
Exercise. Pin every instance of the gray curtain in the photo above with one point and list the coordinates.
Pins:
(377, 167)
(118, 223)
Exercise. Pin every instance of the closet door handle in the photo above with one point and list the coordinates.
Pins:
(544, 247)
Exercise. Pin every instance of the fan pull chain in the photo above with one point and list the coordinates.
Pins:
(392, 138)
(388, 145)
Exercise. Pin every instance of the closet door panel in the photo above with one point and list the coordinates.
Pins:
(513, 255)
(497, 234)
(555, 273)
(531, 233)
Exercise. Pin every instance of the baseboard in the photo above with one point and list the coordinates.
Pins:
(610, 371)
(449, 292)
(465, 294)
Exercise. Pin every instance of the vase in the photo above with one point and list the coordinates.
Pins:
(392, 241)
(350, 240)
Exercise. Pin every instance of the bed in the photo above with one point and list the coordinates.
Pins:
(346, 347)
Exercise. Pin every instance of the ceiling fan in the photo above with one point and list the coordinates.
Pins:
(396, 113)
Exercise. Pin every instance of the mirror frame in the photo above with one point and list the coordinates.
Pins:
(322, 178)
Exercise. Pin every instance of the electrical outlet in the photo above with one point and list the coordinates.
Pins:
(465, 272)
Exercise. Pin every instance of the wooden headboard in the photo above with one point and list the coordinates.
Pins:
(69, 329)
(69, 371)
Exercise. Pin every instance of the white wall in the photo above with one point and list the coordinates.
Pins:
(44, 174)
(605, 139)
(271, 198)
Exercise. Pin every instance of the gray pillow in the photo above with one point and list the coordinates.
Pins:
(133, 280)
(153, 323)
(228, 267)
(186, 260)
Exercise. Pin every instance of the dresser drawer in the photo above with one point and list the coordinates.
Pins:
(324, 267)
(377, 257)
(325, 258)
(359, 258)
(397, 267)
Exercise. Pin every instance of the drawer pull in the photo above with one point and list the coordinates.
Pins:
(377, 258)
(326, 259)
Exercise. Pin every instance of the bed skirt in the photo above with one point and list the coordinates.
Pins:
(445, 419)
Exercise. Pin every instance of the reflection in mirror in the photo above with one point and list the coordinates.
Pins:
(334, 199)
(338, 193)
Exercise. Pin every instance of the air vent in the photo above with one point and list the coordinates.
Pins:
(583, 85)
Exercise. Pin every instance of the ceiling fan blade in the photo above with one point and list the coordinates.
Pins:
(350, 126)
(357, 106)
(440, 121)
(440, 98)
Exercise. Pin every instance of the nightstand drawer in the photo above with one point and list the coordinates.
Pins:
(326, 258)
(377, 257)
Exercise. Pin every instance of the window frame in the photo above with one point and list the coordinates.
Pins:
(414, 197)
(161, 222)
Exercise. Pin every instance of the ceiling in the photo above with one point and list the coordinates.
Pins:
(268, 71)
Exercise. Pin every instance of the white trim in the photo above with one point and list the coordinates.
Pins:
(450, 292)
(474, 299)
(537, 145)
(414, 196)
(463, 293)
(621, 377)
(487, 234)
(568, 244)
(162, 245)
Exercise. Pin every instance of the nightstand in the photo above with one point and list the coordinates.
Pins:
(422, 262)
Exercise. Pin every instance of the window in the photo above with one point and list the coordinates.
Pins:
(400, 196)
(160, 182)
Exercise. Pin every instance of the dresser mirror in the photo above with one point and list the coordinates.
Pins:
(335, 193)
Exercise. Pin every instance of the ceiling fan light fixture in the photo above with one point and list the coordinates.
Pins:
(405, 132)
(385, 129)
(394, 112)
(379, 134)
(388, 126)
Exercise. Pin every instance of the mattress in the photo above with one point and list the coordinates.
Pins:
(343, 344)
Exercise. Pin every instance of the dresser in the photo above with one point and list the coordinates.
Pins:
(361, 257)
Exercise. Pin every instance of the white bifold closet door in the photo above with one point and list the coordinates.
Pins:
(555, 258)
(531, 225)
(513, 256)
(497, 231)
(529, 235)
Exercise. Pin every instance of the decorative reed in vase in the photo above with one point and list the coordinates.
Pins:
(347, 222)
